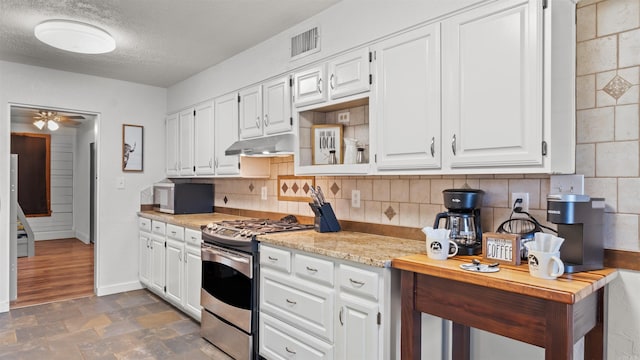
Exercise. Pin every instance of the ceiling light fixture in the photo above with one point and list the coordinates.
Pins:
(75, 36)
(49, 118)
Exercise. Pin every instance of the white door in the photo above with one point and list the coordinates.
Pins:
(203, 139)
(193, 281)
(171, 143)
(492, 85)
(144, 249)
(277, 106)
(157, 263)
(357, 335)
(407, 100)
(185, 144)
(174, 268)
(310, 86)
(226, 133)
(251, 122)
(349, 74)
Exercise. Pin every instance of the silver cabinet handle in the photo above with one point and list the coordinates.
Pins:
(210, 161)
(173, 233)
(331, 81)
(289, 351)
(312, 269)
(453, 144)
(215, 163)
(180, 256)
(320, 85)
(291, 302)
(356, 282)
(272, 258)
(433, 147)
(340, 315)
(258, 122)
(266, 120)
(148, 243)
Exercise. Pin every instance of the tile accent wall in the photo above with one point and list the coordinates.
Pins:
(607, 153)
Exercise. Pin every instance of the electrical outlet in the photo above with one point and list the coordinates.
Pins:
(567, 184)
(525, 200)
(263, 193)
(355, 198)
(343, 117)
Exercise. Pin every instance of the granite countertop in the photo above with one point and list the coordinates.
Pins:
(368, 249)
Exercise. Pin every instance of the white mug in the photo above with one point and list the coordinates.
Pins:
(439, 249)
(545, 265)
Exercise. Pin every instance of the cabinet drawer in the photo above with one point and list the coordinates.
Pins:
(144, 224)
(175, 232)
(158, 227)
(358, 281)
(275, 258)
(281, 341)
(301, 303)
(192, 237)
(311, 268)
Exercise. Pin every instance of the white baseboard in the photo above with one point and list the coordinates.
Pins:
(118, 288)
(4, 306)
(82, 236)
(54, 235)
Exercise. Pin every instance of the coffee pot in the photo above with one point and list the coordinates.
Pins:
(463, 219)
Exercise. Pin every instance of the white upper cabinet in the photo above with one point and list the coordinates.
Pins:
(349, 74)
(276, 106)
(310, 86)
(226, 133)
(204, 139)
(251, 112)
(185, 142)
(492, 86)
(407, 100)
(171, 143)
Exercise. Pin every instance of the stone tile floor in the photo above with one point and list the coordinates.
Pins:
(131, 325)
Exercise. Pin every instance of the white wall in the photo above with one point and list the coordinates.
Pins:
(116, 102)
(85, 135)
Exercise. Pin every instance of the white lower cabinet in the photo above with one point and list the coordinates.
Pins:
(170, 263)
(315, 307)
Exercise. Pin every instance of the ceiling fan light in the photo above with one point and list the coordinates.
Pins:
(52, 125)
(75, 37)
(39, 124)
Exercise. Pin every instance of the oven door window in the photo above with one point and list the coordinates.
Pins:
(226, 284)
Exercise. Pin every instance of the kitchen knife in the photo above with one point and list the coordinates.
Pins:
(314, 197)
(320, 196)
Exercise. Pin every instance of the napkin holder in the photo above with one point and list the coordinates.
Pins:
(325, 220)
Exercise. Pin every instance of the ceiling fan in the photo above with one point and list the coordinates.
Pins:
(53, 120)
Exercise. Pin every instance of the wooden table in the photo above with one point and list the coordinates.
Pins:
(552, 314)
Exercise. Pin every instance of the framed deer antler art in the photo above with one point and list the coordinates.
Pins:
(132, 147)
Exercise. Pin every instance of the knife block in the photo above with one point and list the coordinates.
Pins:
(325, 220)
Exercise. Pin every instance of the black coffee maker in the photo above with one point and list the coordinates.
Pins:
(463, 219)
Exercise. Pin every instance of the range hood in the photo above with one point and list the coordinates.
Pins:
(263, 146)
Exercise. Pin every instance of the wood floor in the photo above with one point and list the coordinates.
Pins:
(61, 269)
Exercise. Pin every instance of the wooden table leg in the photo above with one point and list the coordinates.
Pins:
(559, 332)
(460, 342)
(594, 340)
(411, 327)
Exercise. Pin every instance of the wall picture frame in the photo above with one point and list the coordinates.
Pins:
(132, 148)
(324, 138)
(502, 248)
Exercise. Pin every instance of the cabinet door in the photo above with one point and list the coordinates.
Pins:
(309, 86)
(407, 100)
(251, 123)
(144, 266)
(277, 106)
(157, 264)
(171, 143)
(203, 139)
(349, 74)
(357, 334)
(193, 283)
(492, 85)
(226, 133)
(174, 271)
(185, 144)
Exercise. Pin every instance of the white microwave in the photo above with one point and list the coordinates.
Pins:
(184, 198)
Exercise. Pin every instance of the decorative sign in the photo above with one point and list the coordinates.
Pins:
(132, 149)
(503, 248)
(325, 138)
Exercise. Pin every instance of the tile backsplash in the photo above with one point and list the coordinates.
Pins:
(607, 151)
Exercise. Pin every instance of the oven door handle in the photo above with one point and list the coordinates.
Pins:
(238, 263)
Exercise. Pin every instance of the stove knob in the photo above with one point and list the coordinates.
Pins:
(211, 226)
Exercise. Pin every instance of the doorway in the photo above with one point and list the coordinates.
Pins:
(66, 238)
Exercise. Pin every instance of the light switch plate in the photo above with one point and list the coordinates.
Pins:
(355, 198)
(263, 193)
(567, 184)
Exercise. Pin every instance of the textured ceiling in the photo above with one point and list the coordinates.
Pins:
(159, 42)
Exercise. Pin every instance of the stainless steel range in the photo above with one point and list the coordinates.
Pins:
(229, 295)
